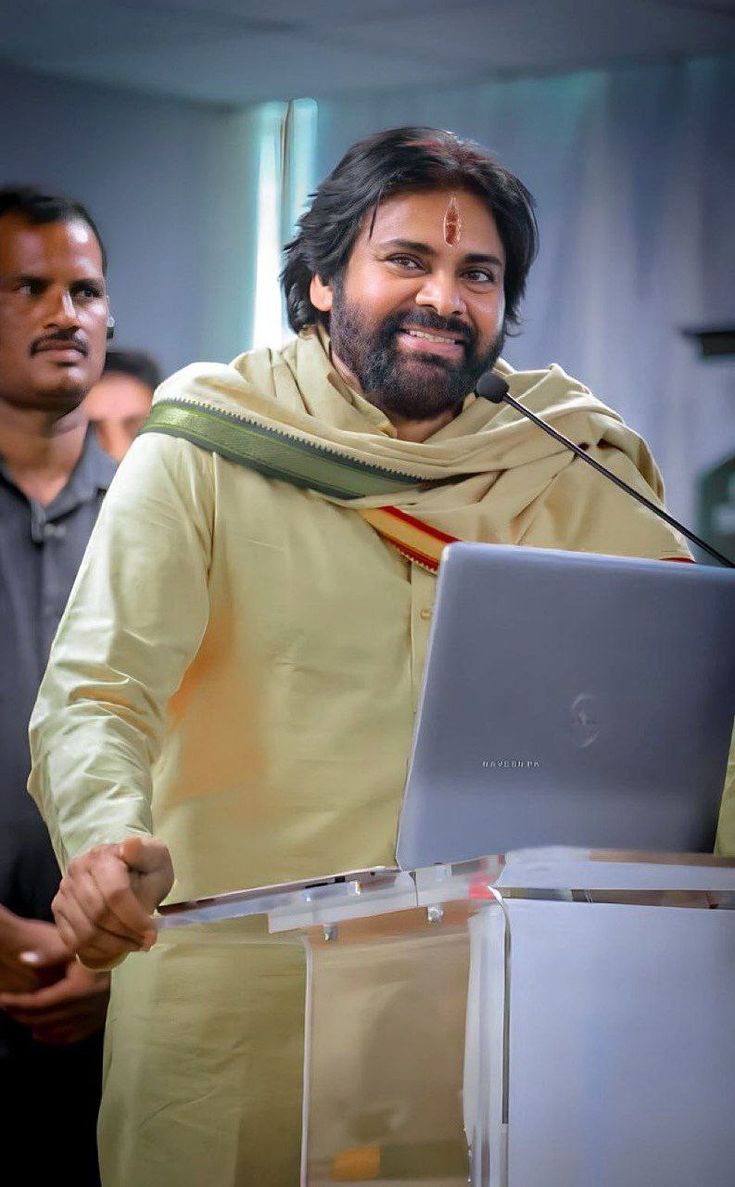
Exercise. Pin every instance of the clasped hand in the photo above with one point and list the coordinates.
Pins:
(105, 901)
(43, 987)
(103, 910)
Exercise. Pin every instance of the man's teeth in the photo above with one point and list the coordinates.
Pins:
(430, 337)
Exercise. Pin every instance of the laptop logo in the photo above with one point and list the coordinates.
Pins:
(585, 719)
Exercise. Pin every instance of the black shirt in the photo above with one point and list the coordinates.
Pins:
(40, 551)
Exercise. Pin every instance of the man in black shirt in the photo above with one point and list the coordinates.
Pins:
(54, 321)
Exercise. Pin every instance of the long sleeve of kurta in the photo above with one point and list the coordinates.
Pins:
(135, 619)
(212, 680)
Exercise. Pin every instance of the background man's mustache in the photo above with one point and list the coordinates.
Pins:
(60, 339)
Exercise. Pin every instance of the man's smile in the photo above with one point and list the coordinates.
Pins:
(423, 341)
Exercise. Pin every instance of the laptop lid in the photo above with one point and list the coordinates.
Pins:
(570, 699)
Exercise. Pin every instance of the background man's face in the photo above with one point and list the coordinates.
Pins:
(53, 313)
(117, 407)
(418, 315)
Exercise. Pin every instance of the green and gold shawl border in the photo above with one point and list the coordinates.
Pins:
(274, 453)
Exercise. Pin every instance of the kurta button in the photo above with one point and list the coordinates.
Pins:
(425, 613)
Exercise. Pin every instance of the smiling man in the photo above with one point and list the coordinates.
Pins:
(419, 314)
(230, 697)
(53, 328)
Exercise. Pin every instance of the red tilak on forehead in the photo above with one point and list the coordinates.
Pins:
(452, 223)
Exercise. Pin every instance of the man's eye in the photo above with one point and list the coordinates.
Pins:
(407, 262)
(88, 292)
(480, 276)
(29, 287)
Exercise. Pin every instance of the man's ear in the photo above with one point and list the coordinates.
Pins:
(321, 294)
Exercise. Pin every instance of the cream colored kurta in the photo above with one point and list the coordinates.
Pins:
(237, 671)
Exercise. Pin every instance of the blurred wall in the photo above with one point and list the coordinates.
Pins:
(167, 183)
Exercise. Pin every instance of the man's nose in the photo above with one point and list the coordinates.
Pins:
(61, 310)
(441, 291)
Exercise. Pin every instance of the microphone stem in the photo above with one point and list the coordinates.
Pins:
(542, 424)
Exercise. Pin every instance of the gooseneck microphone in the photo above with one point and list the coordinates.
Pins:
(493, 388)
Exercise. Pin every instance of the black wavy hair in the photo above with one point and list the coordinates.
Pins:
(40, 208)
(389, 162)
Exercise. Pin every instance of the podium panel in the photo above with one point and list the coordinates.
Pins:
(622, 1046)
(384, 1061)
(551, 1018)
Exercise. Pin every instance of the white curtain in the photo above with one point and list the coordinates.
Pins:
(265, 161)
(286, 148)
(634, 171)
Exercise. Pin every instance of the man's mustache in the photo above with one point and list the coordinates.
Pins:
(61, 340)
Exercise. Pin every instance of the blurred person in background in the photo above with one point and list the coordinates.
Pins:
(54, 324)
(120, 402)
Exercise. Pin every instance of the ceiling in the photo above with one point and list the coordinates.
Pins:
(233, 52)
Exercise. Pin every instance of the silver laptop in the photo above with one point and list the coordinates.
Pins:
(570, 699)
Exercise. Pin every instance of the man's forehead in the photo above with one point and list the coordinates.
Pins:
(456, 218)
(26, 246)
(115, 391)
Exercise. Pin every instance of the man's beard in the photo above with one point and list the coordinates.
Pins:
(413, 386)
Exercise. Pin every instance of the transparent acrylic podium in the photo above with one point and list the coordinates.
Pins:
(552, 1018)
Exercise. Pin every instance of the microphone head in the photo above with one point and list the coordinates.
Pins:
(492, 387)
